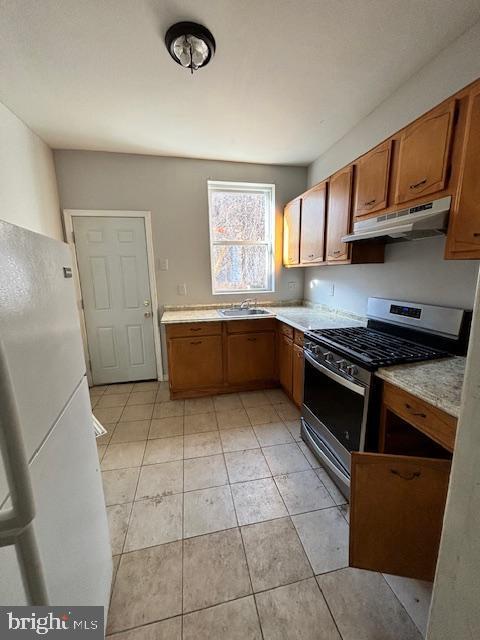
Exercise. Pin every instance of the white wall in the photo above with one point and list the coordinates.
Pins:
(415, 270)
(175, 191)
(28, 187)
(454, 68)
(412, 271)
(455, 611)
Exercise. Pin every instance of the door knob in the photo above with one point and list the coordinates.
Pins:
(147, 314)
(146, 303)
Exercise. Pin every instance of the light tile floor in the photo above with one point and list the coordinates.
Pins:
(225, 527)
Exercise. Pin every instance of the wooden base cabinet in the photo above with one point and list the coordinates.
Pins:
(297, 375)
(206, 358)
(250, 357)
(397, 496)
(285, 362)
(195, 363)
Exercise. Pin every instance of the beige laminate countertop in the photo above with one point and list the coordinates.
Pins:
(302, 318)
(438, 382)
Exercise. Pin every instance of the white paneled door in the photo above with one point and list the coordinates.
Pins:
(114, 278)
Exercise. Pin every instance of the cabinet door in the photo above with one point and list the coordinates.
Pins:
(297, 382)
(250, 357)
(285, 362)
(195, 363)
(397, 505)
(312, 236)
(338, 214)
(372, 174)
(424, 154)
(464, 232)
(291, 232)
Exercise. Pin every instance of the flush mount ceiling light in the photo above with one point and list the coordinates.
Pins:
(190, 44)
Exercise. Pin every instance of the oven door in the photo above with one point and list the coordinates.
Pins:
(340, 407)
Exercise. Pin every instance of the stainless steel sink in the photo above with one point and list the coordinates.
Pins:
(240, 313)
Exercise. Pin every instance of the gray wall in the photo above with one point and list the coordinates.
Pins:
(415, 270)
(175, 191)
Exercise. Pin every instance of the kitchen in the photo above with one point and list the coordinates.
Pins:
(286, 423)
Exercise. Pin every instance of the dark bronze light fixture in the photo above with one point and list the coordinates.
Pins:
(191, 45)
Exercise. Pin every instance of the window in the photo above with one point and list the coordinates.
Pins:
(242, 232)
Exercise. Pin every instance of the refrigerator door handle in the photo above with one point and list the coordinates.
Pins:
(16, 523)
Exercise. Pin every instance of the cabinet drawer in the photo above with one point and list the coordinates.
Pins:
(286, 330)
(247, 326)
(298, 338)
(435, 423)
(187, 329)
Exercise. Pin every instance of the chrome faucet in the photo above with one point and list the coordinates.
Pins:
(246, 303)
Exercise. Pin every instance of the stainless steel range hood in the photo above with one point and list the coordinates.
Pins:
(421, 221)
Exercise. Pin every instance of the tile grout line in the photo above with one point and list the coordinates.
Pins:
(243, 547)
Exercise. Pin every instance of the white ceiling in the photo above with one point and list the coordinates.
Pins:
(290, 77)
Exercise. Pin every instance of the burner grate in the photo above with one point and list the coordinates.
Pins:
(376, 348)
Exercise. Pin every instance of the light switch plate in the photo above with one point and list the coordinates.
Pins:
(163, 264)
(182, 289)
(292, 285)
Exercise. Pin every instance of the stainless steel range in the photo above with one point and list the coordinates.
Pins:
(341, 403)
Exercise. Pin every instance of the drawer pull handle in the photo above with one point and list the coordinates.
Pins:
(418, 184)
(476, 234)
(418, 413)
(411, 476)
(195, 328)
(196, 342)
(252, 339)
(337, 252)
(369, 203)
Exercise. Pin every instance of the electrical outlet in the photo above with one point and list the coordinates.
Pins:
(163, 264)
(182, 289)
(292, 285)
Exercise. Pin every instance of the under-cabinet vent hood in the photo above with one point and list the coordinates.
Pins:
(421, 221)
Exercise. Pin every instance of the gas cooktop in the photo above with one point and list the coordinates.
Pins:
(373, 348)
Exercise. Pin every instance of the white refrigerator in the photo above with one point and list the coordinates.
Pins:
(54, 540)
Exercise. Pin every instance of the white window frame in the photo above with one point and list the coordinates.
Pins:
(269, 242)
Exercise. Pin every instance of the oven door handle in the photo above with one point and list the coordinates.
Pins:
(356, 388)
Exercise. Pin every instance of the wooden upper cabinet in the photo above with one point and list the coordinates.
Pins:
(312, 236)
(339, 210)
(424, 154)
(372, 175)
(464, 231)
(291, 232)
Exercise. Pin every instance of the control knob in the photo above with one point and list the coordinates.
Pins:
(352, 370)
(328, 356)
(342, 365)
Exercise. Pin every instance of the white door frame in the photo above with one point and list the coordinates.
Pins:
(68, 214)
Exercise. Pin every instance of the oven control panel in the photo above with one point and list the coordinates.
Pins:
(336, 362)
